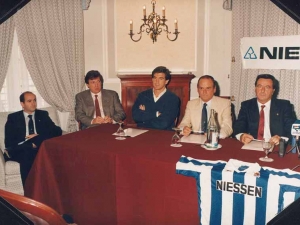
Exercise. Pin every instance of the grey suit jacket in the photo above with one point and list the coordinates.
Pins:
(84, 108)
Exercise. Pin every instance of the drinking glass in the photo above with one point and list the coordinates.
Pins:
(267, 146)
(120, 132)
(176, 138)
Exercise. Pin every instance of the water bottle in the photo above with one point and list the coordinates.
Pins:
(212, 140)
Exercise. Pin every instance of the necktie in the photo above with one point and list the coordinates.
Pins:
(30, 125)
(97, 108)
(260, 133)
(204, 118)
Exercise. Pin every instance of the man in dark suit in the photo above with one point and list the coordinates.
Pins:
(97, 105)
(278, 114)
(157, 107)
(25, 130)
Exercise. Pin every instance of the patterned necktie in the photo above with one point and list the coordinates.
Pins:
(204, 118)
(30, 125)
(260, 133)
(97, 107)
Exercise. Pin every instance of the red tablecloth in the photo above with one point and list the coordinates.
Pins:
(100, 180)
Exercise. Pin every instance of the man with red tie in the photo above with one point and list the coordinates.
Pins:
(264, 116)
(97, 105)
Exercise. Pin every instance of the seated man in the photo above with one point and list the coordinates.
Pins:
(197, 111)
(276, 115)
(157, 107)
(25, 131)
(97, 105)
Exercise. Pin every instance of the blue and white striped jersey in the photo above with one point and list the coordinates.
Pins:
(237, 192)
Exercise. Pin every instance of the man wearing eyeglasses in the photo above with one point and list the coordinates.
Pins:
(264, 116)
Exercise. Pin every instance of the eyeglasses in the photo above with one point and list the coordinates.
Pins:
(259, 86)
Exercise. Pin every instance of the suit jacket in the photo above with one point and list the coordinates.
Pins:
(192, 116)
(281, 118)
(85, 108)
(15, 128)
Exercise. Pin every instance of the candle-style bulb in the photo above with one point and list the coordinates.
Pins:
(163, 11)
(176, 24)
(131, 24)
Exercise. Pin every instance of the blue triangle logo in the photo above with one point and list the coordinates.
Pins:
(250, 54)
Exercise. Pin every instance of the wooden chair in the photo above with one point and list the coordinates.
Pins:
(34, 210)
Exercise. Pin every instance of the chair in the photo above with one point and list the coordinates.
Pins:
(10, 177)
(38, 212)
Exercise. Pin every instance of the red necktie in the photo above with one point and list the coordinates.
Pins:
(97, 108)
(260, 133)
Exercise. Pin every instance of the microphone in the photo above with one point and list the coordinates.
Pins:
(295, 132)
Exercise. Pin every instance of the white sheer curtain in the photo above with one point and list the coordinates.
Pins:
(6, 41)
(258, 19)
(51, 39)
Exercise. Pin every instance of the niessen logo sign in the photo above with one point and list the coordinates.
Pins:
(281, 52)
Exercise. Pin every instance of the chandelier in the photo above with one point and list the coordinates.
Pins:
(154, 25)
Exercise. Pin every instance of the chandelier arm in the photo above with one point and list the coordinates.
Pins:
(131, 36)
(176, 35)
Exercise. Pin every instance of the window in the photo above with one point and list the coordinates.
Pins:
(17, 81)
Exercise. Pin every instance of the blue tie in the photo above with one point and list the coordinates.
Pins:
(204, 118)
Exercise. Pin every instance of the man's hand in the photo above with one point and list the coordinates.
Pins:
(246, 138)
(186, 131)
(98, 120)
(275, 140)
(30, 136)
(142, 107)
(107, 119)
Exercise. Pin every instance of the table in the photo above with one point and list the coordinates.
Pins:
(100, 180)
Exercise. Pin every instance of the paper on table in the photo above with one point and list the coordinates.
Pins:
(132, 132)
(194, 138)
(253, 145)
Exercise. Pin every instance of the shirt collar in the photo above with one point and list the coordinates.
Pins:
(267, 104)
(164, 91)
(93, 95)
(26, 114)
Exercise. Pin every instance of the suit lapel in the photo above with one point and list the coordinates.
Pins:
(21, 119)
(274, 116)
(105, 103)
(254, 112)
(89, 102)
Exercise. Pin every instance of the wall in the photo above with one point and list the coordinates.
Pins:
(203, 45)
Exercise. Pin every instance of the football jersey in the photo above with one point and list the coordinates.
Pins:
(237, 192)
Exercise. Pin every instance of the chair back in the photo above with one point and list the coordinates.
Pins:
(38, 212)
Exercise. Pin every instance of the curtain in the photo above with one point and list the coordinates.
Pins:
(51, 39)
(259, 19)
(6, 41)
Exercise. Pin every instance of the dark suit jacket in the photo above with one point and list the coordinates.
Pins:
(15, 128)
(84, 109)
(281, 118)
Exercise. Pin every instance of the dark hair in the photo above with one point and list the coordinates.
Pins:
(22, 96)
(162, 69)
(266, 76)
(207, 77)
(93, 74)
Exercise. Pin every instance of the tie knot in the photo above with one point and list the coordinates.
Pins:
(262, 107)
(96, 96)
(30, 116)
(204, 105)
